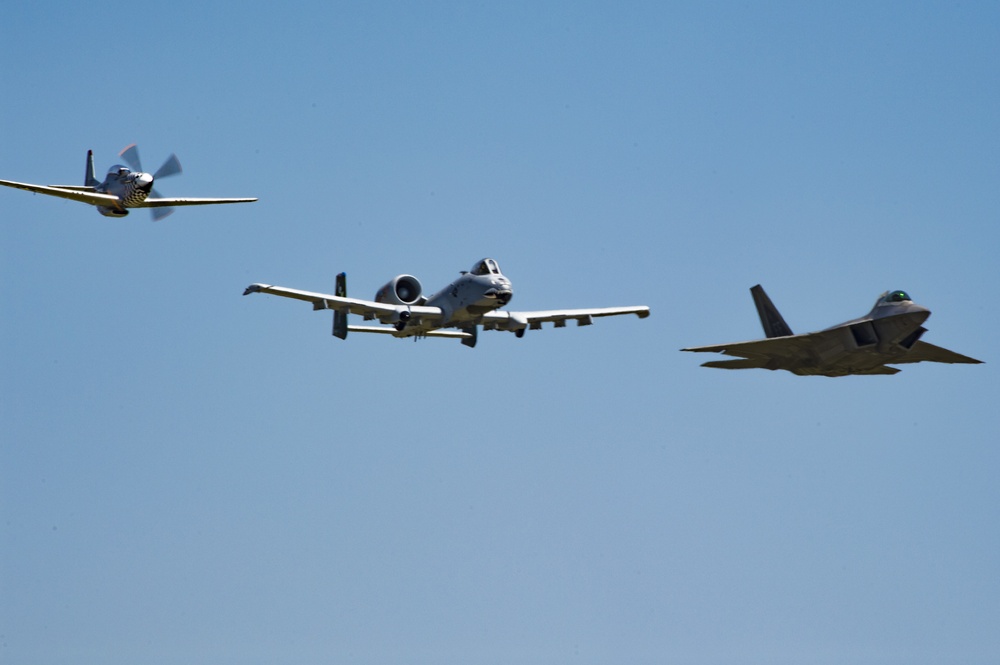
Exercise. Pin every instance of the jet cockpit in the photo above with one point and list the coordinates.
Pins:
(893, 297)
(486, 267)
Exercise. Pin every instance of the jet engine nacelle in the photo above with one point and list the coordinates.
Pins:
(401, 290)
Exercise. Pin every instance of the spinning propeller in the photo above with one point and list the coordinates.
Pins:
(170, 167)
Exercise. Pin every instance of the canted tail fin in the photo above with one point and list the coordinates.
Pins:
(774, 325)
(88, 179)
(340, 318)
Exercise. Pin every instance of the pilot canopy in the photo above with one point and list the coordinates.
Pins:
(486, 267)
(893, 297)
(118, 169)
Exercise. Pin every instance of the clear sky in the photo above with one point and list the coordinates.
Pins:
(191, 476)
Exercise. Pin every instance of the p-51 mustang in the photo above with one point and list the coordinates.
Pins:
(123, 188)
(889, 334)
(470, 301)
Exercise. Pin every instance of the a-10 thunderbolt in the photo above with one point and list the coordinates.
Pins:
(123, 188)
(888, 335)
(470, 301)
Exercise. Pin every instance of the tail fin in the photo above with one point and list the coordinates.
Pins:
(774, 325)
(88, 179)
(340, 318)
(470, 341)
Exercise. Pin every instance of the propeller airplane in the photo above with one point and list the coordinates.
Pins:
(123, 188)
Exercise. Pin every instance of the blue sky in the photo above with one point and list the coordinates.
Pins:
(187, 475)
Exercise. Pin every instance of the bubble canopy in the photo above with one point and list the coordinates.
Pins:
(895, 296)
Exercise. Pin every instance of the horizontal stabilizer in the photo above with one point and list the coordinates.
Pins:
(881, 369)
(770, 318)
(739, 363)
(389, 330)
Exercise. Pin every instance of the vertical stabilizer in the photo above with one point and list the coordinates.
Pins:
(470, 341)
(774, 325)
(339, 317)
(88, 178)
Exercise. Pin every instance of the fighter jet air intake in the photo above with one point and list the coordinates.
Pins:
(470, 301)
(888, 335)
(123, 188)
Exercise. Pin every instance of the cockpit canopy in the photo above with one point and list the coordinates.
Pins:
(891, 297)
(117, 170)
(486, 267)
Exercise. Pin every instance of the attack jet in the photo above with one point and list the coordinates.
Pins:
(456, 311)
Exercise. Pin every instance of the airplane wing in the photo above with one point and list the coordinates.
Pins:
(171, 202)
(503, 320)
(74, 193)
(924, 352)
(792, 346)
(367, 308)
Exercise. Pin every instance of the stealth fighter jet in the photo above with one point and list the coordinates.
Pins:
(888, 335)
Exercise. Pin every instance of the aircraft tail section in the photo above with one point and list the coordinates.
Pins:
(89, 178)
(472, 333)
(340, 326)
(770, 318)
(739, 363)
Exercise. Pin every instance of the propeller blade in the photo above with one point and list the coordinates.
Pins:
(131, 156)
(159, 213)
(170, 167)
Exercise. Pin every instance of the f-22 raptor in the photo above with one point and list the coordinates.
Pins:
(123, 188)
(889, 334)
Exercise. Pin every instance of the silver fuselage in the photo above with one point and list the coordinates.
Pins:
(131, 188)
(463, 301)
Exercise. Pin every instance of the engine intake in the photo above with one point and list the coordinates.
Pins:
(401, 290)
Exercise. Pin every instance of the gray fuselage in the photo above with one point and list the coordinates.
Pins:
(886, 333)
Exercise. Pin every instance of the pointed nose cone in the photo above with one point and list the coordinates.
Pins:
(919, 312)
(144, 181)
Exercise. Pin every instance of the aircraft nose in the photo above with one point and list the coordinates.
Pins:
(144, 181)
(919, 310)
(501, 294)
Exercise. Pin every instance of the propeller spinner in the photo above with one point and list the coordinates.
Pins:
(170, 167)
